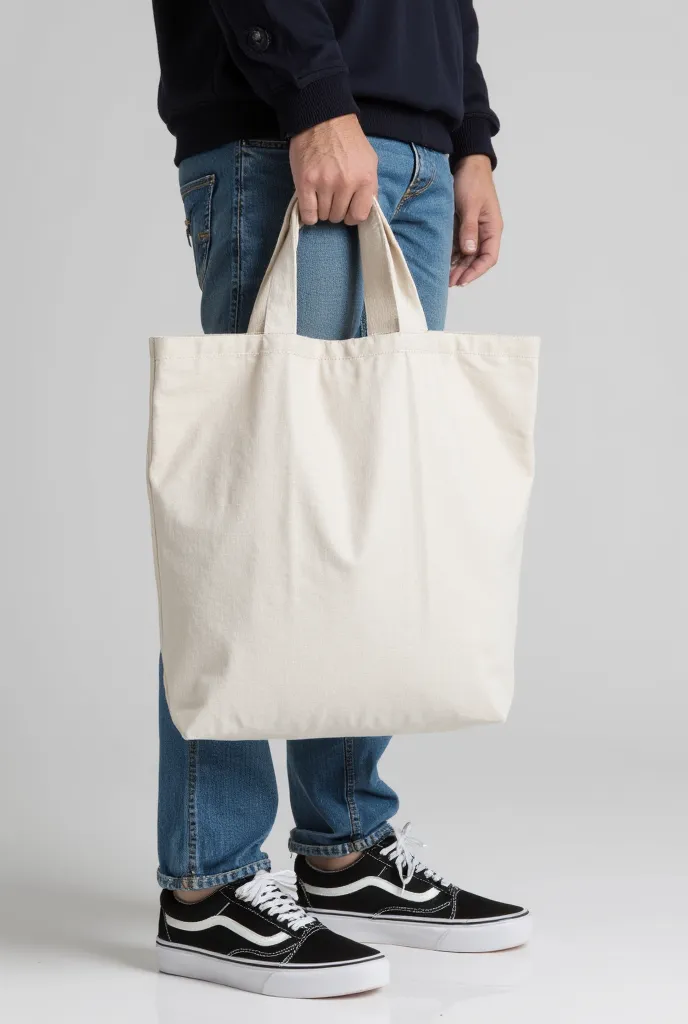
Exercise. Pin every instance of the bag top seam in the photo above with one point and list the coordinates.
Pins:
(333, 359)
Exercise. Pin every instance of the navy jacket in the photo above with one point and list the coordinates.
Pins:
(268, 69)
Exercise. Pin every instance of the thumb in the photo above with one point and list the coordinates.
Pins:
(468, 233)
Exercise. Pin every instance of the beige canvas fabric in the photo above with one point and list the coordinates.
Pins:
(338, 525)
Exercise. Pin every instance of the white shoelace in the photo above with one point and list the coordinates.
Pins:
(407, 863)
(273, 893)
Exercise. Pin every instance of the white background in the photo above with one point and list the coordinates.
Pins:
(577, 806)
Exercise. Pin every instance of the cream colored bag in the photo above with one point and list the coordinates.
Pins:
(338, 525)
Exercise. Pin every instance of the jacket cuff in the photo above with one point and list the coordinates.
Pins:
(474, 136)
(321, 100)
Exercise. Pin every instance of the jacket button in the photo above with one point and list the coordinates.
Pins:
(258, 39)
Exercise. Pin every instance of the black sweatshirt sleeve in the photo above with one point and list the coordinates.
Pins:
(289, 53)
(480, 123)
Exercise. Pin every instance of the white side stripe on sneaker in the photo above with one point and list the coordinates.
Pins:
(381, 883)
(226, 922)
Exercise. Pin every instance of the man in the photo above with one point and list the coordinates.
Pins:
(343, 100)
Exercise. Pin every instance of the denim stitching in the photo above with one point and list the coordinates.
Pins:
(412, 191)
(206, 881)
(414, 178)
(192, 822)
(238, 204)
(419, 192)
(350, 782)
(204, 236)
(191, 186)
(207, 227)
(342, 849)
(265, 144)
(428, 182)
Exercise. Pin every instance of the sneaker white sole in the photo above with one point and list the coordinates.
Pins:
(481, 937)
(286, 982)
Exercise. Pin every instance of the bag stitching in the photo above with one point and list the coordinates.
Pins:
(334, 359)
(156, 547)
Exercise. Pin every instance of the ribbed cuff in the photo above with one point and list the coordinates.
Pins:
(474, 136)
(301, 109)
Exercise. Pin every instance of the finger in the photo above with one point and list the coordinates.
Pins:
(469, 232)
(340, 205)
(308, 205)
(325, 197)
(360, 206)
(458, 268)
(484, 261)
(459, 263)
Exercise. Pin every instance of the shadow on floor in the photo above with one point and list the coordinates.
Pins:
(65, 922)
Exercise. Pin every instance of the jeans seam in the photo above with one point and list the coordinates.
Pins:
(192, 817)
(344, 848)
(350, 785)
(206, 881)
(235, 301)
(414, 178)
(411, 191)
(197, 183)
(203, 269)
(278, 144)
(424, 188)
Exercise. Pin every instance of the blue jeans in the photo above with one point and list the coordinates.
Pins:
(218, 800)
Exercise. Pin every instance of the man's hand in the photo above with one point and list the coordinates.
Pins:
(335, 171)
(478, 224)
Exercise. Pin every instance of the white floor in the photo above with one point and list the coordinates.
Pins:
(605, 874)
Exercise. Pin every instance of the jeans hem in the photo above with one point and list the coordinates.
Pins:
(341, 849)
(208, 881)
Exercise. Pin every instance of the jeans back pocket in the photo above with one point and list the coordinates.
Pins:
(197, 197)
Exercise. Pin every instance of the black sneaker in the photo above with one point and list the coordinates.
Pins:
(252, 935)
(389, 896)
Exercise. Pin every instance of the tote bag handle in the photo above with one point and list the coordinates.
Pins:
(391, 300)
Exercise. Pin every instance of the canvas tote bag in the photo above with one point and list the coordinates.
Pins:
(338, 525)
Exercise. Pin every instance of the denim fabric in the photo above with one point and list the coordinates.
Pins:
(218, 800)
